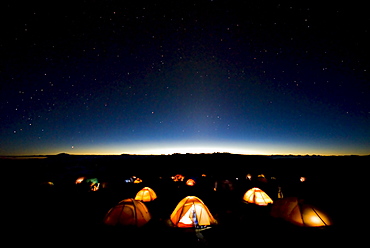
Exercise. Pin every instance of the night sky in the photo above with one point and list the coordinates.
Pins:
(159, 77)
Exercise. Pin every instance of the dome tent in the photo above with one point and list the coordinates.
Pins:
(257, 196)
(190, 182)
(128, 212)
(146, 194)
(299, 213)
(191, 212)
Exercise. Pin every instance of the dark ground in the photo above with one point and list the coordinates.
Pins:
(70, 214)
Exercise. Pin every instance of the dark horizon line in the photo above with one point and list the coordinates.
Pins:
(214, 153)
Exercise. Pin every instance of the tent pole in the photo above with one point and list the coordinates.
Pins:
(123, 206)
(182, 210)
(135, 217)
(263, 198)
(319, 216)
(300, 211)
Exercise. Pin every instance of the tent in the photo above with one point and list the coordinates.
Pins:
(223, 185)
(146, 194)
(299, 213)
(257, 196)
(128, 212)
(138, 180)
(80, 180)
(191, 212)
(262, 178)
(178, 177)
(190, 182)
(46, 183)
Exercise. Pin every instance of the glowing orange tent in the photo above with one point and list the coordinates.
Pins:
(192, 212)
(297, 212)
(146, 194)
(128, 212)
(178, 177)
(79, 180)
(190, 182)
(257, 196)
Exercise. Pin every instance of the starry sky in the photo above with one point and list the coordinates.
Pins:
(159, 77)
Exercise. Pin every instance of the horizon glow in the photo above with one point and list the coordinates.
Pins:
(168, 148)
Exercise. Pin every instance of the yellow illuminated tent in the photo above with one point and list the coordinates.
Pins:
(128, 212)
(262, 178)
(192, 212)
(295, 211)
(146, 194)
(257, 196)
(138, 180)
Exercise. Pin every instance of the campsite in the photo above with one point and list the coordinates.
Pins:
(65, 199)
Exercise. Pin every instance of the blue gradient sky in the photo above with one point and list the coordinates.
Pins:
(202, 76)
